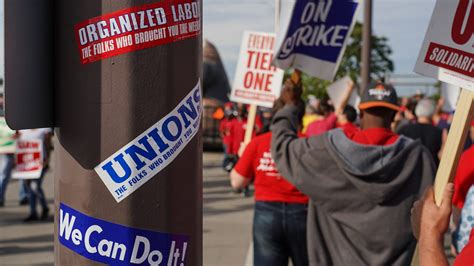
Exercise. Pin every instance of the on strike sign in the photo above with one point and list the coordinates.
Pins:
(257, 81)
(314, 35)
(29, 159)
(447, 52)
(138, 28)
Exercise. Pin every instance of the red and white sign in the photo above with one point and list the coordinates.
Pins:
(29, 159)
(447, 53)
(137, 28)
(256, 80)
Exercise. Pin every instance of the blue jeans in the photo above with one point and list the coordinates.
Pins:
(22, 194)
(35, 191)
(279, 233)
(6, 166)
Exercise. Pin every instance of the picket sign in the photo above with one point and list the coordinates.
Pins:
(455, 143)
(446, 55)
(252, 114)
(452, 152)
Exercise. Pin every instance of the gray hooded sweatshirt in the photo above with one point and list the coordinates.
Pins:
(360, 195)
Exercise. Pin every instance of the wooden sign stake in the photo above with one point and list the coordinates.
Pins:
(250, 123)
(453, 148)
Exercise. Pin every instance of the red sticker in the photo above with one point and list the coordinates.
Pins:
(137, 28)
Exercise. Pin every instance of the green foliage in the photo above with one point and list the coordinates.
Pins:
(381, 63)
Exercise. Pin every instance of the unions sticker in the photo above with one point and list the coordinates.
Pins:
(115, 244)
(137, 28)
(149, 153)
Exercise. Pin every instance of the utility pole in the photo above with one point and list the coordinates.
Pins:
(127, 107)
(366, 44)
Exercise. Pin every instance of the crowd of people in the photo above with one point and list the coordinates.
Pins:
(30, 191)
(336, 184)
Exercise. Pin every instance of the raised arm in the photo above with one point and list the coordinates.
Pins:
(286, 146)
(345, 98)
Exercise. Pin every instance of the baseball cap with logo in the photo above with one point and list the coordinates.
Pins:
(379, 95)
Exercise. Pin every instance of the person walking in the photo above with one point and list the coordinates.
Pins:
(280, 213)
(424, 130)
(7, 150)
(361, 184)
(34, 186)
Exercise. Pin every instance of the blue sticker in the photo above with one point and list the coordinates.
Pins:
(115, 244)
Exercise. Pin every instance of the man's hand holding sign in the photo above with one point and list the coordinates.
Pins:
(447, 55)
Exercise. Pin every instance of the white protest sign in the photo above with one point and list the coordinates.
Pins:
(337, 91)
(447, 51)
(314, 35)
(450, 93)
(256, 80)
(29, 159)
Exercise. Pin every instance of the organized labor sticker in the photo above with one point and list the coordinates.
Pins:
(138, 28)
(115, 244)
(153, 150)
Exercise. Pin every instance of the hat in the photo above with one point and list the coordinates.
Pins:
(379, 95)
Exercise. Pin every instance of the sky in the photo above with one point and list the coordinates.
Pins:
(404, 22)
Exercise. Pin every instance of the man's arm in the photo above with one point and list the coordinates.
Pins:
(286, 146)
(237, 180)
(430, 223)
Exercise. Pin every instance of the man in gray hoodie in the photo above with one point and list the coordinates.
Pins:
(361, 184)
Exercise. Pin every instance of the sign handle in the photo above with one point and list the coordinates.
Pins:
(250, 123)
(452, 152)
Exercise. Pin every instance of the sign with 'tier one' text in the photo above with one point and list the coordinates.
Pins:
(257, 81)
(447, 53)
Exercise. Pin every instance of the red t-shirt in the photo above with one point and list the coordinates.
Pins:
(464, 177)
(318, 127)
(466, 257)
(238, 127)
(256, 162)
(225, 128)
(349, 127)
(372, 136)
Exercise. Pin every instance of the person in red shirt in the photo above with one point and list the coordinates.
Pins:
(347, 119)
(430, 223)
(279, 226)
(225, 128)
(330, 117)
(464, 177)
(239, 126)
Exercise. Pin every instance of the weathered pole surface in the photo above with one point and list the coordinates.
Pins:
(102, 106)
(366, 44)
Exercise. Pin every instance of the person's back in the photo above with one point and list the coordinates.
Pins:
(430, 136)
(361, 187)
(424, 130)
(280, 212)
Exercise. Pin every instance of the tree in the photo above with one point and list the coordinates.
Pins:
(381, 63)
